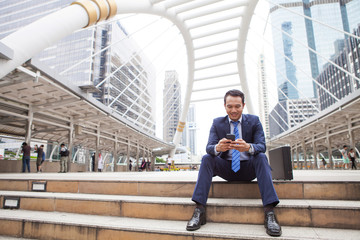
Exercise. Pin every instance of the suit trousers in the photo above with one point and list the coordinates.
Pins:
(256, 167)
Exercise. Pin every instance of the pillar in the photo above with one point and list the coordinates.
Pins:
(137, 157)
(350, 133)
(115, 154)
(97, 148)
(128, 154)
(315, 152)
(70, 146)
(128, 148)
(153, 160)
(304, 153)
(29, 126)
(292, 156)
(143, 154)
(331, 162)
(328, 141)
(297, 157)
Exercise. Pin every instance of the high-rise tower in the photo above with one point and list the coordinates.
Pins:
(171, 105)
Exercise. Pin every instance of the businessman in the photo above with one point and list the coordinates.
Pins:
(242, 159)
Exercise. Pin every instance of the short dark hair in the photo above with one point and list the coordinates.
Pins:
(24, 143)
(235, 93)
(344, 146)
(63, 144)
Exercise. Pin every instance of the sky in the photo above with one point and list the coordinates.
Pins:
(164, 46)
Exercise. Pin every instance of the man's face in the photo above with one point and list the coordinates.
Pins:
(234, 107)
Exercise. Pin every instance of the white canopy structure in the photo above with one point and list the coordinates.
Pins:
(213, 18)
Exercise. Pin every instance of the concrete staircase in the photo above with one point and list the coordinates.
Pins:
(100, 206)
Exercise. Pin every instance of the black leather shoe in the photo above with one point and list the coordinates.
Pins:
(198, 219)
(271, 224)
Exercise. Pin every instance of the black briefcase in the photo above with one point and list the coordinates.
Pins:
(280, 162)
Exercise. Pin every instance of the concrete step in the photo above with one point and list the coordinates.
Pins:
(56, 225)
(219, 189)
(290, 212)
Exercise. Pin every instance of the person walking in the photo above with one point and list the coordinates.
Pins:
(100, 163)
(130, 165)
(345, 156)
(39, 151)
(64, 156)
(25, 149)
(148, 165)
(352, 156)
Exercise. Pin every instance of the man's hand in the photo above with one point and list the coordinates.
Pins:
(223, 145)
(226, 144)
(240, 145)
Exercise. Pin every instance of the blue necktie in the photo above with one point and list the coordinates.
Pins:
(235, 164)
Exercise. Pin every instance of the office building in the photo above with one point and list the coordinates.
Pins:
(293, 34)
(288, 113)
(263, 96)
(295, 38)
(171, 105)
(337, 82)
(190, 130)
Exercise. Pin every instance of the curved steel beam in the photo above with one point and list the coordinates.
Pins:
(25, 44)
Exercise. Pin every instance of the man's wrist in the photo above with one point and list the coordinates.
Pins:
(251, 149)
(215, 151)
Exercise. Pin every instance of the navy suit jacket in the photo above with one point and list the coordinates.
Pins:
(251, 128)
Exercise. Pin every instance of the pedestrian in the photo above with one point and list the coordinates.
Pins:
(39, 151)
(345, 157)
(43, 157)
(236, 152)
(324, 162)
(64, 156)
(148, 165)
(100, 163)
(130, 165)
(143, 165)
(168, 163)
(25, 149)
(352, 158)
(93, 162)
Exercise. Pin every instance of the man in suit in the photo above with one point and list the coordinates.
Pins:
(239, 160)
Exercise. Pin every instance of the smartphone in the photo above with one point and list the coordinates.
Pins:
(230, 136)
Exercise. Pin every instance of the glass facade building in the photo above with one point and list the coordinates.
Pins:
(104, 56)
(171, 105)
(287, 114)
(306, 34)
(336, 81)
(189, 134)
(293, 35)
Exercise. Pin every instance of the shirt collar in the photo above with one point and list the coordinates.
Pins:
(230, 121)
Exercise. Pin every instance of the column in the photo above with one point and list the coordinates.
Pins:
(304, 153)
(115, 153)
(331, 162)
(315, 152)
(153, 160)
(70, 147)
(351, 135)
(297, 157)
(292, 156)
(128, 155)
(143, 155)
(97, 148)
(137, 157)
(29, 126)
